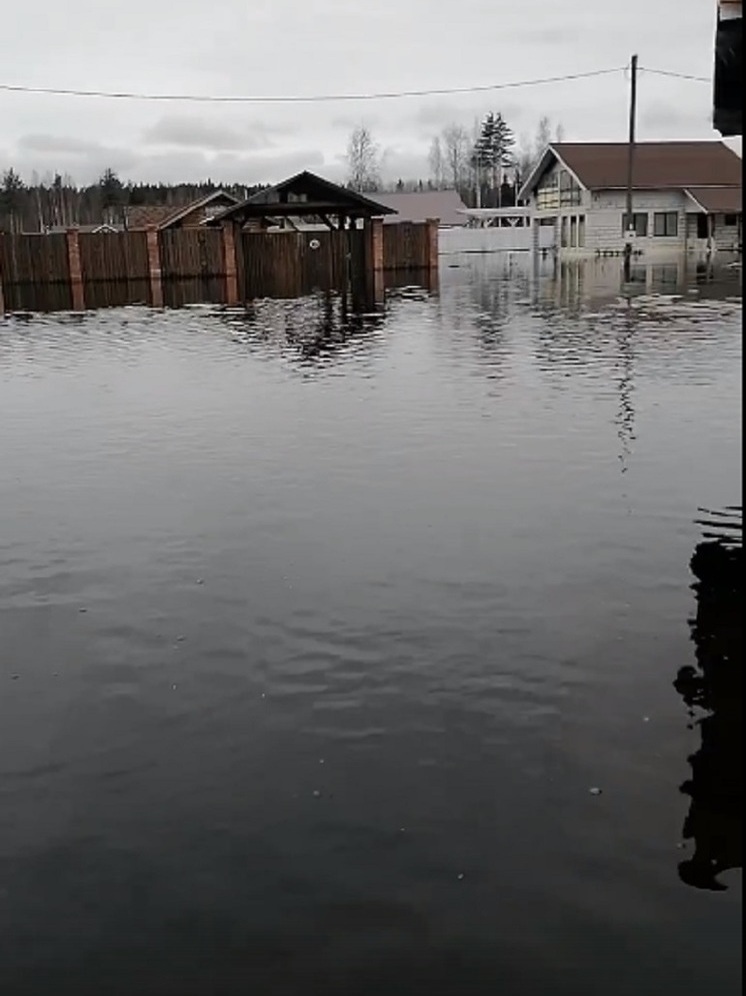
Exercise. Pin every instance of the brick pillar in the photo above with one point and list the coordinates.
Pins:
(433, 226)
(154, 268)
(376, 244)
(433, 274)
(76, 270)
(229, 259)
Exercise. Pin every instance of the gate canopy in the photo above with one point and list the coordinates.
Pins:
(304, 196)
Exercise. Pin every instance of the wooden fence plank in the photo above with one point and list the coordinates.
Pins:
(115, 267)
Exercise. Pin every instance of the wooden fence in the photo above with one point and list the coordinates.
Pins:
(76, 271)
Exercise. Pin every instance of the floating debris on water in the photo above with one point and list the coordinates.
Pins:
(316, 794)
(200, 580)
(460, 876)
(595, 790)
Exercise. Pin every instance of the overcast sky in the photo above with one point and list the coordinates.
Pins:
(291, 47)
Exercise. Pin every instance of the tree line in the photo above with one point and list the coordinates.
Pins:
(57, 202)
(485, 164)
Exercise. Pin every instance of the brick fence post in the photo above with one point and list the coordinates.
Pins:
(154, 267)
(76, 270)
(229, 258)
(375, 260)
(433, 225)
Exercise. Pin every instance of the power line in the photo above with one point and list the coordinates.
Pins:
(676, 76)
(319, 98)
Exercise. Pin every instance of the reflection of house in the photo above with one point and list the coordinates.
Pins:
(422, 205)
(164, 216)
(686, 195)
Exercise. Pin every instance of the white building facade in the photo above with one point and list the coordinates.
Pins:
(583, 200)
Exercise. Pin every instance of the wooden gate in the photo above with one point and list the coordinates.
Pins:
(292, 264)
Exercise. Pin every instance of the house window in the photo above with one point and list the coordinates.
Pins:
(574, 232)
(731, 219)
(547, 196)
(666, 223)
(570, 192)
(581, 230)
(639, 224)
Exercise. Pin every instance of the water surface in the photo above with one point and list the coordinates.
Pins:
(317, 629)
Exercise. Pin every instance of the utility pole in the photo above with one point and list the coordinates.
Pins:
(630, 169)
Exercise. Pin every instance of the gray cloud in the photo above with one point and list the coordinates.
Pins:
(195, 132)
(289, 47)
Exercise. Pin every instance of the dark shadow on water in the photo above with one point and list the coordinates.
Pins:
(311, 331)
(713, 690)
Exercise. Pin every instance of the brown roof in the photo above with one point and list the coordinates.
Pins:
(163, 215)
(145, 215)
(420, 205)
(303, 195)
(717, 200)
(603, 165)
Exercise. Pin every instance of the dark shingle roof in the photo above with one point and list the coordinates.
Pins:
(603, 165)
(717, 200)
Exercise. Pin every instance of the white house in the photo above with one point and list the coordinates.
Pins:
(685, 196)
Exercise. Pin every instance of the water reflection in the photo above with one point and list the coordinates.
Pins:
(715, 819)
(311, 330)
(574, 284)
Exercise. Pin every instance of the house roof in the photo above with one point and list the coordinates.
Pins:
(146, 215)
(657, 165)
(717, 200)
(421, 205)
(94, 229)
(164, 215)
(302, 195)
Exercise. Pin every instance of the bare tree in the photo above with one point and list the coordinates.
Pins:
(437, 163)
(456, 154)
(529, 153)
(543, 136)
(363, 161)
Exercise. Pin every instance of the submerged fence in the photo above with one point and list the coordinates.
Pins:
(82, 270)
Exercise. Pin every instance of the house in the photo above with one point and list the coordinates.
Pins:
(685, 196)
(83, 229)
(164, 216)
(422, 205)
(303, 201)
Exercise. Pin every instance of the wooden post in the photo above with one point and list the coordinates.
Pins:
(154, 267)
(433, 226)
(375, 259)
(229, 259)
(630, 170)
(76, 271)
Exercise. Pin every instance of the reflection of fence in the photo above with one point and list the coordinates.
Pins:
(80, 270)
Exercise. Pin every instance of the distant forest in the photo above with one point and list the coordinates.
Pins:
(58, 202)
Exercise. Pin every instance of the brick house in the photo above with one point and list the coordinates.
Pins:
(192, 215)
(687, 196)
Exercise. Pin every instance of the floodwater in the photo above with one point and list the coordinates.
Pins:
(338, 651)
